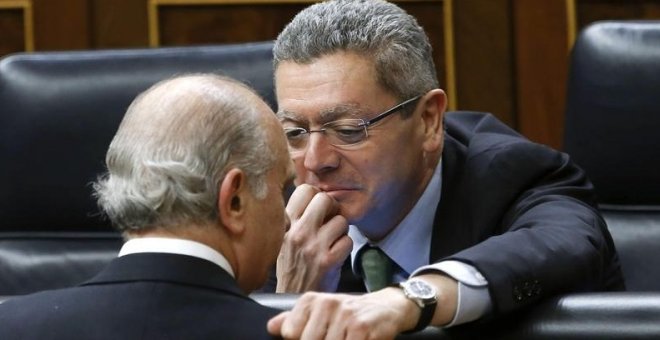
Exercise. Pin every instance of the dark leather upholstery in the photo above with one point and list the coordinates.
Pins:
(637, 238)
(58, 113)
(33, 261)
(613, 132)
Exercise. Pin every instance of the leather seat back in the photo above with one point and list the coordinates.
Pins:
(58, 114)
(60, 111)
(613, 131)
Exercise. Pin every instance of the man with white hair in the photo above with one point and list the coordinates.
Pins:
(194, 183)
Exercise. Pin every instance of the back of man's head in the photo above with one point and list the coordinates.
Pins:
(173, 148)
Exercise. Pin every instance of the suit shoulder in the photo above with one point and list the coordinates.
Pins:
(463, 125)
(479, 132)
(484, 142)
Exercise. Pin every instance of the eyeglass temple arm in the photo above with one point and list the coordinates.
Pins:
(390, 111)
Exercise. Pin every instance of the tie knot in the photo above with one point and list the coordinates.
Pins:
(376, 268)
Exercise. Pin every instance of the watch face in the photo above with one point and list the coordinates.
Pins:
(421, 289)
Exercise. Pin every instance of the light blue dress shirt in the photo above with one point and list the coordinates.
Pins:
(409, 246)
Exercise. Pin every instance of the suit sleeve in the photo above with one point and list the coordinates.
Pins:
(549, 238)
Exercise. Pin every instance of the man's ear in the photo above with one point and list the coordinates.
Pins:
(435, 104)
(232, 200)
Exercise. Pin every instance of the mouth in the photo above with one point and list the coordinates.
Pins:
(337, 192)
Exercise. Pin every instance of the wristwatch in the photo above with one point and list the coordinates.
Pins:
(425, 296)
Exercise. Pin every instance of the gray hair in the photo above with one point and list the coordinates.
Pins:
(380, 30)
(173, 148)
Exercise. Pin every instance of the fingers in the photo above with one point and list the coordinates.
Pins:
(310, 203)
(322, 202)
(309, 319)
(300, 199)
(292, 324)
(319, 319)
(335, 231)
(318, 232)
(316, 244)
(274, 325)
(340, 316)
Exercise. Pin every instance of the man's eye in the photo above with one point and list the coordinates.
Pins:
(293, 133)
(348, 131)
(349, 134)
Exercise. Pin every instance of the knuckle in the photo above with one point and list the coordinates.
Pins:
(347, 311)
(326, 263)
(328, 303)
(308, 252)
(293, 215)
(308, 297)
(339, 221)
(296, 239)
(358, 325)
(323, 198)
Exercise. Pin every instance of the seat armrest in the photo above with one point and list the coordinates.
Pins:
(614, 315)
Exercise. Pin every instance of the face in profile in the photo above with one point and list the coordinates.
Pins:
(268, 218)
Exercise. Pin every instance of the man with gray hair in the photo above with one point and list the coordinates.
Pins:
(459, 217)
(194, 182)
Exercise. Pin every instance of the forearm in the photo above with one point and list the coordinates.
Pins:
(447, 289)
(554, 247)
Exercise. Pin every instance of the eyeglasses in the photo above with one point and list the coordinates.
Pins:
(343, 132)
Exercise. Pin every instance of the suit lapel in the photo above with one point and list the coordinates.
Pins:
(447, 240)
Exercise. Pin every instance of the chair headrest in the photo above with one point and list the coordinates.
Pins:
(613, 110)
(60, 111)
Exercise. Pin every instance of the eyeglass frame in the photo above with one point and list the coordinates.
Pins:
(368, 123)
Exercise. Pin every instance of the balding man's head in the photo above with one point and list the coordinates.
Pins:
(174, 146)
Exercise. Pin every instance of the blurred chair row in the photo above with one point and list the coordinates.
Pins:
(59, 111)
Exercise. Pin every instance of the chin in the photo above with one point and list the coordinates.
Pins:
(352, 213)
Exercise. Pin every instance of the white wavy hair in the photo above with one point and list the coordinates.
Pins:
(173, 148)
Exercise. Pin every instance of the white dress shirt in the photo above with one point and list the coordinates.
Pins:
(409, 246)
(175, 246)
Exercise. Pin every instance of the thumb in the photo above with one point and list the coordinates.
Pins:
(275, 324)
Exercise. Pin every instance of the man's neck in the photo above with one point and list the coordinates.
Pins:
(373, 225)
(208, 235)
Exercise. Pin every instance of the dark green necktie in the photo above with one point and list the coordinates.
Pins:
(376, 268)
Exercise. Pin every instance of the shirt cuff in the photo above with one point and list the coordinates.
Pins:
(474, 300)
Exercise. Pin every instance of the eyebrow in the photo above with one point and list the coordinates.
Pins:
(288, 115)
(326, 115)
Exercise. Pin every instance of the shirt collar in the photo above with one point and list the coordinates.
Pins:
(175, 246)
(409, 243)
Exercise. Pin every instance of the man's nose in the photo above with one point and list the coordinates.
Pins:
(320, 156)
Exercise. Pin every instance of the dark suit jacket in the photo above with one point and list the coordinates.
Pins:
(520, 212)
(141, 296)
